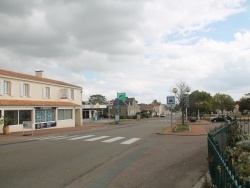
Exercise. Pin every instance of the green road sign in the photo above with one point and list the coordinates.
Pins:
(121, 96)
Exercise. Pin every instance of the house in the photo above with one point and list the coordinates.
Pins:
(42, 102)
(155, 108)
(128, 107)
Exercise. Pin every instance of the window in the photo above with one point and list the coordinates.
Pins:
(47, 92)
(24, 115)
(44, 115)
(18, 116)
(13, 114)
(26, 90)
(6, 87)
(64, 114)
(72, 94)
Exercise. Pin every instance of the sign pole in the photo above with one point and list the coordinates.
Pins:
(171, 119)
(109, 112)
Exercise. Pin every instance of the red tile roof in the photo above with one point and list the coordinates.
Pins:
(5, 102)
(34, 78)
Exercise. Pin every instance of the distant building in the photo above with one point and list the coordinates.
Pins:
(128, 107)
(43, 102)
(155, 108)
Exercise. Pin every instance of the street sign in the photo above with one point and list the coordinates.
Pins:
(111, 103)
(170, 100)
(121, 96)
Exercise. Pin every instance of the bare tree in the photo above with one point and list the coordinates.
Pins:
(181, 92)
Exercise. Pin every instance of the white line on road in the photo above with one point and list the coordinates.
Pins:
(97, 138)
(81, 137)
(113, 139)
(130, 141)
(65, 137)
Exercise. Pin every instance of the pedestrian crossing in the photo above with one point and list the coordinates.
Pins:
(91, 138)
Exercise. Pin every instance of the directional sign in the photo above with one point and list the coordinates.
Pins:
(170, 100)
(121, 96)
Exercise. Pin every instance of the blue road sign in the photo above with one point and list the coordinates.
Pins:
(170, 100)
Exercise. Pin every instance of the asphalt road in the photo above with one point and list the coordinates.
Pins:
(127, 156)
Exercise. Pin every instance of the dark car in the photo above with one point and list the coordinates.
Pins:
(221, 117)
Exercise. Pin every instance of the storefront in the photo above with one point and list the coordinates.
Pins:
(90, 111)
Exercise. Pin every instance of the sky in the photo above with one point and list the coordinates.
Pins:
(141, 47)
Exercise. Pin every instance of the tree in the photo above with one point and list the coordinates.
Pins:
(244, 104)
(182, 97)
(200, 101)
(223, 102)
(94, 99)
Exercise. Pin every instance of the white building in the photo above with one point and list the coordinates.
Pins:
(44, 102)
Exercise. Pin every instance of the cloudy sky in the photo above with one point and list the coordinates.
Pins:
(140, 47)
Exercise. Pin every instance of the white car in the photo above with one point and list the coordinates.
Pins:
(163, 115)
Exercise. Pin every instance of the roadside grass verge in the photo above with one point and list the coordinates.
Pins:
(181, 128)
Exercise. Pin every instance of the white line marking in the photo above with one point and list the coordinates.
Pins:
(113, 139)
(130, 141)
(97, 138)
(81, 137)
(46, 138)
(65, 137)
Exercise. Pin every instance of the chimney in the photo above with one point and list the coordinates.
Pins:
(39, 73)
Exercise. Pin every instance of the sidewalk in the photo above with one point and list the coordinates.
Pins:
(197, 128)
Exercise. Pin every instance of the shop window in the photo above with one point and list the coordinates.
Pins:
(13, 114)
(44, 115)
(64, 114)
(24, 115)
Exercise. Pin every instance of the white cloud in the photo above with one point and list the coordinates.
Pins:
(139, 47)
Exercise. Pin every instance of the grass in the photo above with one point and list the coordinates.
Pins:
(181, 127)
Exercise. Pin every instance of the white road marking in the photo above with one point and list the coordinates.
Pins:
(130, 141)
(97, 138)
(113, 139)
(81, 137)
(46, 138)
(65, 137)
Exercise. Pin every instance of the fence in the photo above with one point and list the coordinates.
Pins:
(222, 173)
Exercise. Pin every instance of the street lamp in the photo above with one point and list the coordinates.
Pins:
(174, 91)
(187, 90)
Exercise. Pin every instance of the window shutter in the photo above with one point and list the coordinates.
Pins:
(69, 94)
(21, 89)
(30, 91)
(1, 87)
(50, 92)
(43, 92)
(73, 94)
(12, 92)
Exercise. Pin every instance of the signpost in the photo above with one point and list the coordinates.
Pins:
(171, 103)
(120, 96)
(27, 125)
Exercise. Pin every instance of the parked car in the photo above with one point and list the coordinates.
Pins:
(163, 115)
(221, 117)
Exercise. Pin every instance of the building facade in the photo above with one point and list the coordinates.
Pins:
(128, 107)
(42, 102)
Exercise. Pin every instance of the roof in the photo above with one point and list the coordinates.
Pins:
(123, 103)
(6, 102)
(34, 78)
(148, 107)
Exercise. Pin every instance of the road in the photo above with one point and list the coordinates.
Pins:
(126, 156)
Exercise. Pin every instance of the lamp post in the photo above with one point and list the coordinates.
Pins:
(186, 101)
(174, 91)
